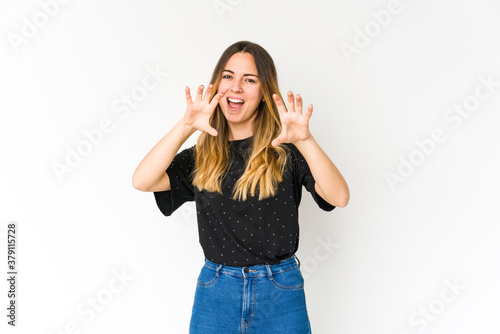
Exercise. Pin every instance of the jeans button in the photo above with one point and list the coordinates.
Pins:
(245, 270)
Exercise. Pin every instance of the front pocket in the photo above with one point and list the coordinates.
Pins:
(207, 276)
(288, 280)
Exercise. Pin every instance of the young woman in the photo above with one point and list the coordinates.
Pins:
(245, 174)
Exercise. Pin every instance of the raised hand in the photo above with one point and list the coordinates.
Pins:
(198, 112)
(295, 124)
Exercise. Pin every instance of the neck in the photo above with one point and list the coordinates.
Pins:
(239, 131)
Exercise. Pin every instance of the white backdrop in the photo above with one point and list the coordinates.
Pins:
(406, 97)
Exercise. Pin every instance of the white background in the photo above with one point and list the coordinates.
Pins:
(383, 264)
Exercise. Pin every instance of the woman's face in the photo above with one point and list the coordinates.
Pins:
(244, 93)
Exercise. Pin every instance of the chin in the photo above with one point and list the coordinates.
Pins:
(234, 119)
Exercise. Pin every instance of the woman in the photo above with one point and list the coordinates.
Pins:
(246, 174)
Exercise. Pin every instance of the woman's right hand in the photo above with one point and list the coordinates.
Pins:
(198, 112)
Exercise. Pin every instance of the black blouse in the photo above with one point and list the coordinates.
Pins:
(237, 233)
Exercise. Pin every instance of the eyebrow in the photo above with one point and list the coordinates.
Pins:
(245, 75)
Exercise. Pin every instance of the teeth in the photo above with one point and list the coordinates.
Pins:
(235, 100)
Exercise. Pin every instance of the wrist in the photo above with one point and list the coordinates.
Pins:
(306, 144)
(186, 128)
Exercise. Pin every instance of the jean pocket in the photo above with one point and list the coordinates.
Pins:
(207, 277)
(288, 280)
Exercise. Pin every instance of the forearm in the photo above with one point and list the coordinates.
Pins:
(330, 183)
(153, 166)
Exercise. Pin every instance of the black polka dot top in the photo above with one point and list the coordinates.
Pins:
(242, 233)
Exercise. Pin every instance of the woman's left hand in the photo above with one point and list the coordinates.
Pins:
(295, 124)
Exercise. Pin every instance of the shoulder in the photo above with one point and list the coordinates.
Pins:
(184, 157)
(188, 152)
(296, 159)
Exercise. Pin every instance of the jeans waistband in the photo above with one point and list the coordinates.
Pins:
(255, 270)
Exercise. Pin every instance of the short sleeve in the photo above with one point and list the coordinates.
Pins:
(181, 187)
(304, 177)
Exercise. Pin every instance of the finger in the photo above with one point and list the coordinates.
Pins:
(279, 103)
(291, 104)
(217, 99)
(189, 100)
(278, 140)
(212, 131)
(208, 93)
(299, 104)
(308, 112)
(199, 93)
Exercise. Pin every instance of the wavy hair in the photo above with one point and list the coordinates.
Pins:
(264, 164)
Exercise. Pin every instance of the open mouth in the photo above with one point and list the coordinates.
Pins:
(234, 103)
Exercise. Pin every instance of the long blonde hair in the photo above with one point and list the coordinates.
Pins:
(265, 165)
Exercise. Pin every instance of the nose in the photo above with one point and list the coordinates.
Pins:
(236, 86)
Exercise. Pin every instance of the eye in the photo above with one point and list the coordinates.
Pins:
(227, 76)
(251, 80)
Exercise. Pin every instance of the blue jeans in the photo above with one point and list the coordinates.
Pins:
(257, 299)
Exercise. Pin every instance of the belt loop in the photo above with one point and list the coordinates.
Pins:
(219, 267)
(296, 258)
(269, 271)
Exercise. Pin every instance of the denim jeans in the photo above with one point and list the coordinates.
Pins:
(258, 299)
